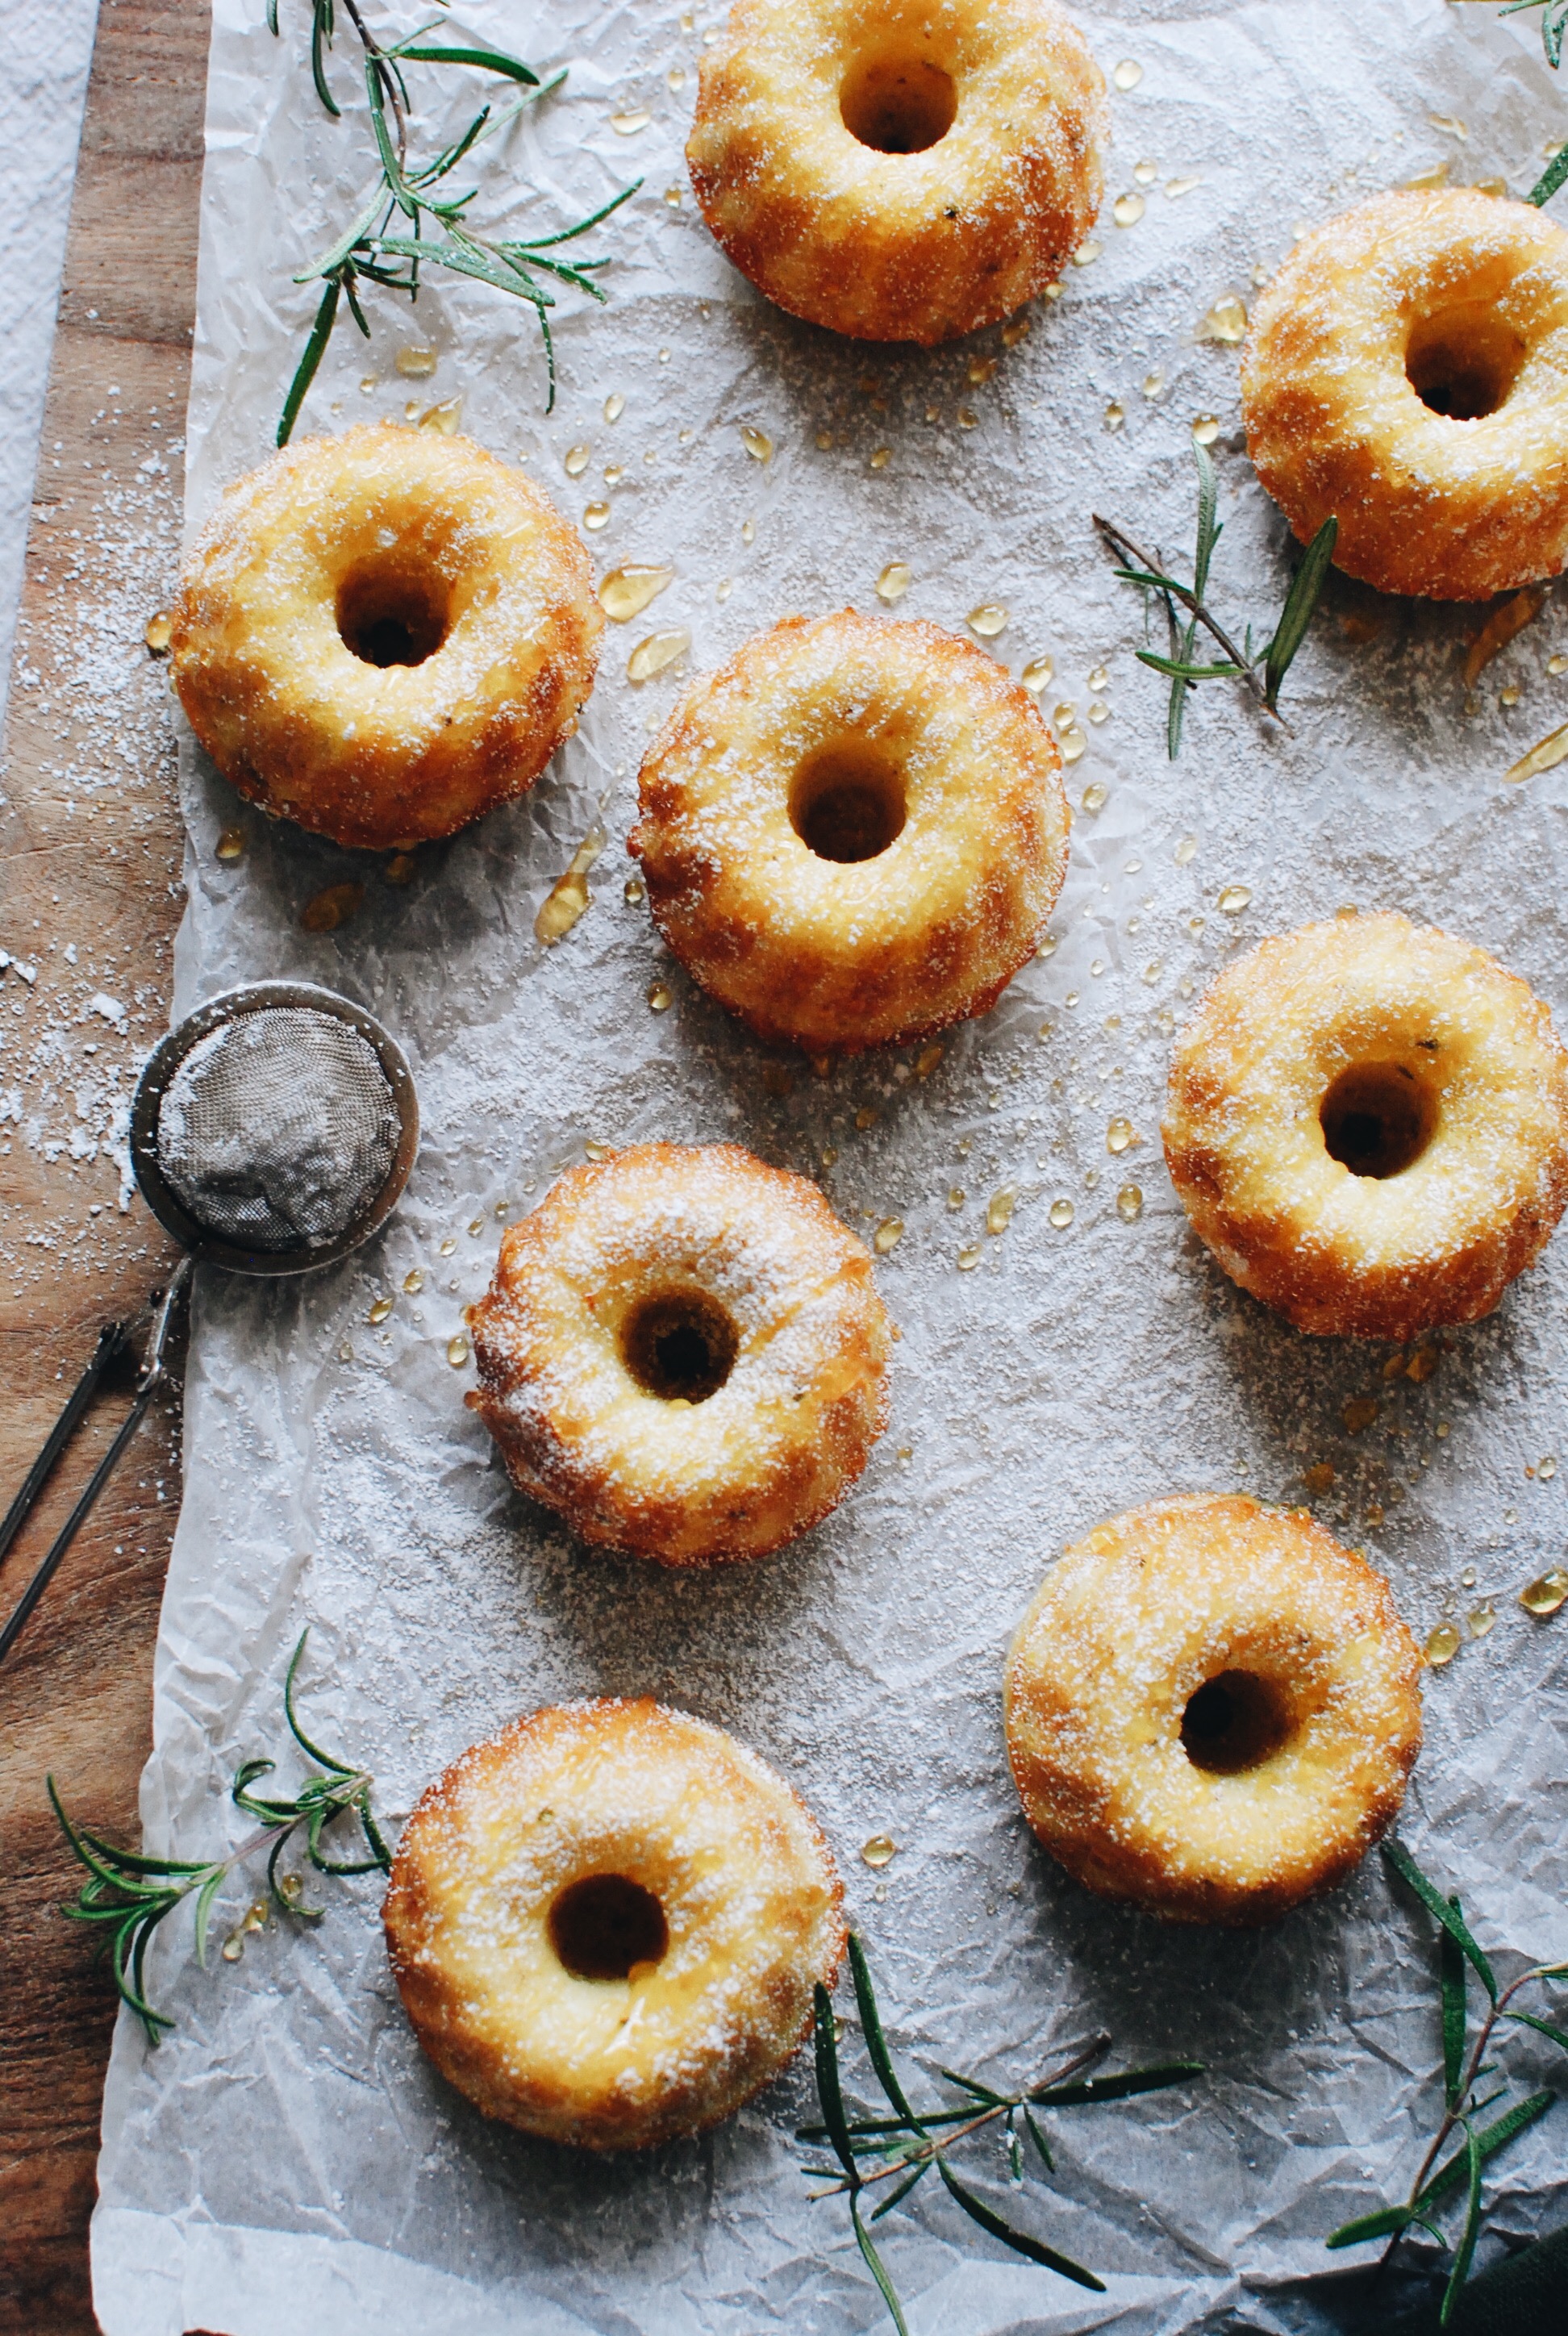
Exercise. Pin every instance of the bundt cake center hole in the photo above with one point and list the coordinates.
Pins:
(681, 1346)
(848, 804)
(1463, 362)
(605, 1925)
(897, 103)
(1377, 1118)
(388, 617)
(1234, 1722)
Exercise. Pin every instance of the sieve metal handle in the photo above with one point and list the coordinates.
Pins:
(114, 1339)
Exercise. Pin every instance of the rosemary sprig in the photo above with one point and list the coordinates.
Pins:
(904, 2147)
(1554, 24)
(1463, 2070)
(432, 225)
(1262, 671)
(128, 1895)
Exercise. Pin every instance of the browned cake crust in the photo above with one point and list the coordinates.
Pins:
(684, 1352)
(383, 635)
(854, 833)
(606, 1922)
(1211, 1709)
(1368, 1124)
(899, 173)
(1406, 372)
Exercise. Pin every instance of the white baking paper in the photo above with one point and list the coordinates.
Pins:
(286, 2159)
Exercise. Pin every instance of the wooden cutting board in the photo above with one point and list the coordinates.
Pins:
(91, 866)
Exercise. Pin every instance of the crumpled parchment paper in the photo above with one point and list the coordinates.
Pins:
(286, 2159)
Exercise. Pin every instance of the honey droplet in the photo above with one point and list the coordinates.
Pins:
(448, 1247)
(416, 363)
(1061, 1214)
(627, 125)
(1206, 429)
(969, 1257)
(599, 1151)
(1186, 850)
(968, 418)
(636, 891)
(1015, 330)
(888, 1235)
(614, 406)
(1467, 1579)
(159, 632)
(380, 1310)
(999, 1209)
(880, 1849)
(231, 843)
(1128, 74)
(675, 79)
(1116, 415)
(400, 869)
(1098, 677)
(477, 1227)
(569, 896)
(956, 1196)
(1072, 743)
(1095, 795)
(626, 591)
(369, 386)
(1482, 1619)
(576, 462)
(1547, 1593)
(1557, 663)
(1442, 1645)
(722, 590)
(1038, 674)
(1423, 180)
(1088, 252)
(980, 370)
(332, 908)
(893, 582)
(1319, 1477)
(1127, 210)
(613, 474)
(233, 1947)
(1225, 322)
(926, 1062)
(652, 655)
(881, 458)
(1154, 383)
(1509, 695)
(1421, 1365)
(748, 531)
(1177, 187)
(757, 443)
(1130, 1203)
(1233, 900)
(595, 516)
(444, 418)
(1358, 1412)
(866, 1116)
(1146, 173)
(457, 1352)
(413, 1282)
(1547, 756)
(1119, 1135)
(988, 620)
(1547, 1468)
(290, 1886)
(660, 997)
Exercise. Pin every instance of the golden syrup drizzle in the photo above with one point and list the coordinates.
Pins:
(627, 125)
(652, 655)
(445, 418)
(626, 590)
(416, 362)
(1000, 1209)
(569, 896)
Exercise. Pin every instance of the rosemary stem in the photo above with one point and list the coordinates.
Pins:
(1122, 546)
(937, 2142)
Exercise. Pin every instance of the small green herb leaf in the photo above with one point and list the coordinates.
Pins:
(1298, 611)
(1432, 1898)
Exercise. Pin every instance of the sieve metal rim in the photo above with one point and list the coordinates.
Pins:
(229, 1006)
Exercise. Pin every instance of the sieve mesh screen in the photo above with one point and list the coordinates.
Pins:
(278, 1131)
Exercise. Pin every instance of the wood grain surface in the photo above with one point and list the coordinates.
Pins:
(89, 895)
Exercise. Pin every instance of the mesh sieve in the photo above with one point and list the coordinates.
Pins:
(279, 1129)
(275, 1128)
